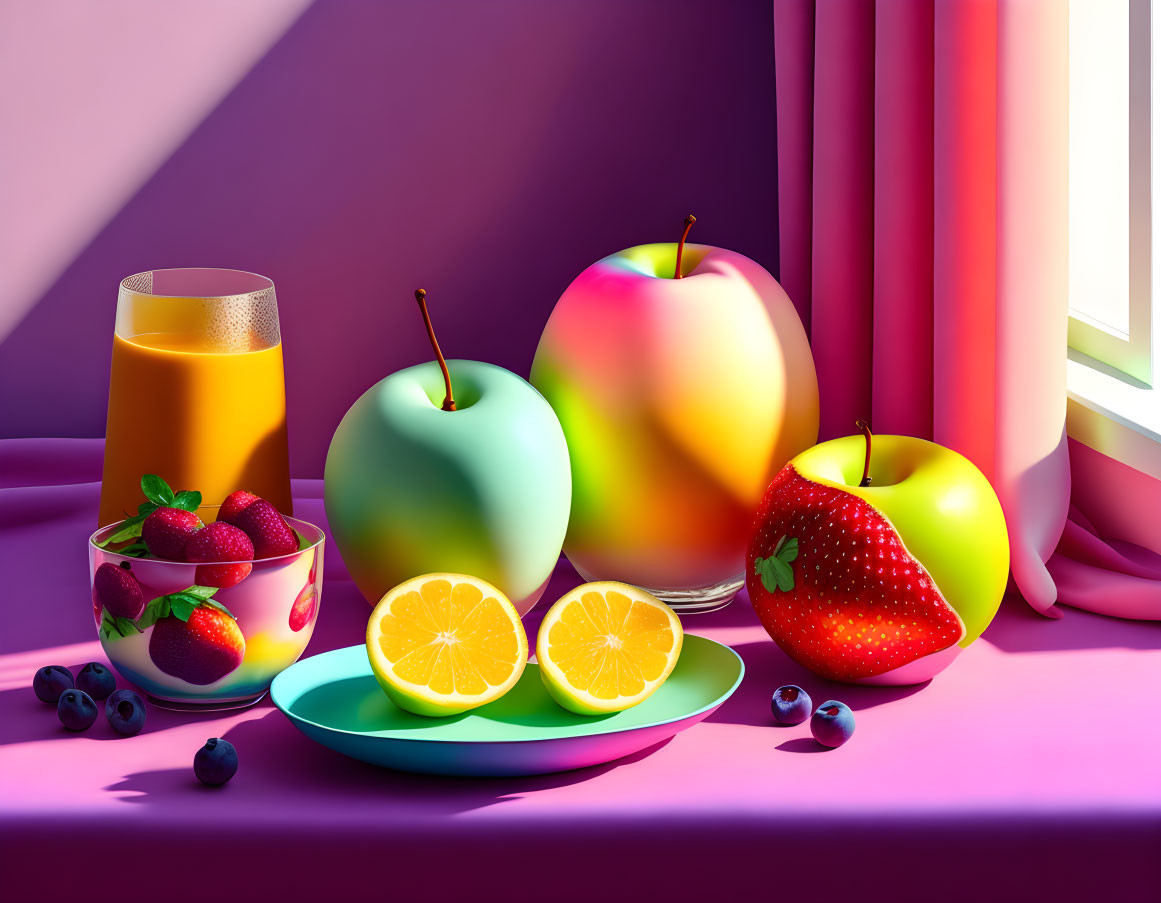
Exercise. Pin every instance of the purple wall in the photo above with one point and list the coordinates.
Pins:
(487, 151)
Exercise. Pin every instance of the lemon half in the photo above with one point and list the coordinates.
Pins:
(441, 644)
(607, 646)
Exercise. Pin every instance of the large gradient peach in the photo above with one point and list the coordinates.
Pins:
(680, 399)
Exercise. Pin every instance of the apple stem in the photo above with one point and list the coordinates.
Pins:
(689, 221)
(865, 427)
(449, 403)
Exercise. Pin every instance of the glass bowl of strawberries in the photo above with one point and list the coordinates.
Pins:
(202, 615)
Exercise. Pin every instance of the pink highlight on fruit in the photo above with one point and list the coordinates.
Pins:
(303, 610)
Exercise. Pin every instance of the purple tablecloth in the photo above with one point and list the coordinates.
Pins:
(1030, 770)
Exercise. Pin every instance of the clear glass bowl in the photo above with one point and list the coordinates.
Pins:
(213, 661)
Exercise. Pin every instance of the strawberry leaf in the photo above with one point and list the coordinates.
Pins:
(776, 574)
(156, 610)
(113, 626)
(180, 605)
(213, 603)
(187, 500)
(156, 490)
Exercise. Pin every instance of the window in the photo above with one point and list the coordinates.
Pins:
(1109, 184)
(1114, 326)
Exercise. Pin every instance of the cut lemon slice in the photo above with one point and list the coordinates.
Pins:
(445, 643)
(607, 646)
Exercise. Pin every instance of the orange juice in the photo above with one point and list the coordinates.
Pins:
(200, 418)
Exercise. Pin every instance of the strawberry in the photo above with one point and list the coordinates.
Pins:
(235, 504)
(835, 587)
(219, 542)
(167, 530)
(304, 607)
(117, 591)
(267, 529)
(201, 650)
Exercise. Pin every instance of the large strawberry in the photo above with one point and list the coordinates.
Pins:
(835, 584)
(220, 542)
(167, 530)
(234, 504)
(268, 530)
(200, 650)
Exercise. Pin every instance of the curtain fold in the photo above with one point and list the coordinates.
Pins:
(923, 192)
(843, 198)
(904, 207)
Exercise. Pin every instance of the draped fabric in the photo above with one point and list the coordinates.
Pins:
(923, 218)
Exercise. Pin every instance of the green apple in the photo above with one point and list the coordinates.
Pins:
(878, 568)
(482, 489)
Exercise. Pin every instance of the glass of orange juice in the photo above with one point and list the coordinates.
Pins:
(196, 393)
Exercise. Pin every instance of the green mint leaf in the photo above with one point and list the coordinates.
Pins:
(145, 509)
(200, 592)
(130, 529)
(156, 490)
(187, 500)
(789, 550)
(112, 626)
(303, 542)
(136, 550)
(156, 610)
(212, 603)
(181, 608)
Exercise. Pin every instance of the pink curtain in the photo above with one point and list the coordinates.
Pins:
(923, 213)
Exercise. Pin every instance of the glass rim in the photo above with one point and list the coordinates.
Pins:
(293, 521)
(125, 285)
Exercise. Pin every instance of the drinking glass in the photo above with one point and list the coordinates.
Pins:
(196, 393)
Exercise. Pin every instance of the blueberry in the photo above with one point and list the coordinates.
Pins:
(96, 680)
(126, 712)
(76, 710)
(832, 723)
(216, 762)
(790, 705)
(50, 681)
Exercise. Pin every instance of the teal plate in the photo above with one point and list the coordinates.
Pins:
(334, 699)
